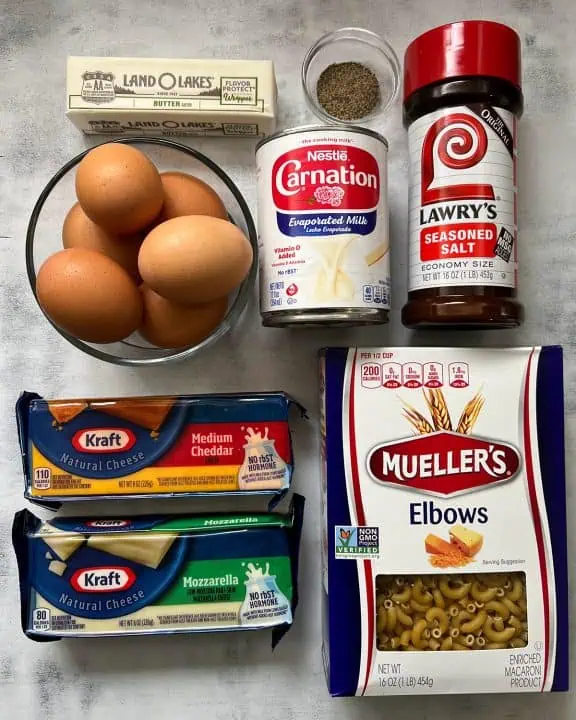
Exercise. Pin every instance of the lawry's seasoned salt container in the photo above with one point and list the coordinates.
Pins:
(323, 227)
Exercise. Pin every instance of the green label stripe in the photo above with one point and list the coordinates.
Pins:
(208, 523)
(221, 581)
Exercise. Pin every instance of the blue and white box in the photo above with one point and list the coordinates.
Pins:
(444, 521)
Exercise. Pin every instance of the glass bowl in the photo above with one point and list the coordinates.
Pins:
(44, 237)
(352, 45)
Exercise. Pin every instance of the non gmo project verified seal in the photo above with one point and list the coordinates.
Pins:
(353, 541)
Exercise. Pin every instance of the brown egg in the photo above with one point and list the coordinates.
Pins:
(169, 325)
(188, 195)
(79, 231)
(194, 259)
(119, 188)
(89, 296)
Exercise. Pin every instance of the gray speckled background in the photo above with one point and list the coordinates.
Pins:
(233, 677)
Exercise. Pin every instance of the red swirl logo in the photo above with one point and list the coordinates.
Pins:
(459, 142)
(462, 147)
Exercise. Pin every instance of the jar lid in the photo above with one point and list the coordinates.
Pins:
(462, 49)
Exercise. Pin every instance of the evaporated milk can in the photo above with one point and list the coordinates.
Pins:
(323, 227)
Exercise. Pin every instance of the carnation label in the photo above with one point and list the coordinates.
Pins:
(463, 218)
(323, 225)
(444, 538)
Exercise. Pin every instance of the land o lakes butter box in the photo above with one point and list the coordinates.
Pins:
(171, 97)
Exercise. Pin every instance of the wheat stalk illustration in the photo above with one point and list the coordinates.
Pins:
(438, 409)
(470, 414)
(417, 420)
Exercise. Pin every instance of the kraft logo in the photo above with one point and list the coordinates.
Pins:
(326, 177)
(107, 523)
(458, 142)
(443, 463)
(103, 440)
(103, 579)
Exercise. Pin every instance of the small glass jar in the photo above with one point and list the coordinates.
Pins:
(352, 45)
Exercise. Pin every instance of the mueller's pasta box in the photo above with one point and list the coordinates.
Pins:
(444, 541)
(84, 577)
(154, 446)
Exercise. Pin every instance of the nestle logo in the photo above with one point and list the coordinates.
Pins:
(103, 440)
(443, 463)
(315, 155)
(103, 579)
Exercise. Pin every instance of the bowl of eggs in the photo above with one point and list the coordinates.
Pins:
(141, 251)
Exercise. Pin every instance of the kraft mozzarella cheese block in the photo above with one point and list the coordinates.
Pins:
(155, 446)
(159, 574)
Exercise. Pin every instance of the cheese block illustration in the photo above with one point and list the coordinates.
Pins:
(63, 544)
(437, 545)
(146, 550)
(468, 541)
(149, 413)
(65, 411)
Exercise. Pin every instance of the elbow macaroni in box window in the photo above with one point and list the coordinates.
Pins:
(451, 612)
(444, 520)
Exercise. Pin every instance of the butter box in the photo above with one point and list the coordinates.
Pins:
(171, 97)
(149, 575)
(155, 446)
(444, 543)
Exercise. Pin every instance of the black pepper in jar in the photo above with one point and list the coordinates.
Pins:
(348, 91)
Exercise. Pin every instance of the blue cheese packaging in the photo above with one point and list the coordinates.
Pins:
(150, 575)
(155, 447)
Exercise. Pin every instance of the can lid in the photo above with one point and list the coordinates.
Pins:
(469, 47)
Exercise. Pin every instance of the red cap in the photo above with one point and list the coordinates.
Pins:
(469, 47)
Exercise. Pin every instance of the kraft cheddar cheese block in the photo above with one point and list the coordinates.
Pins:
(155, 446)
(158, 574)
(444, 520)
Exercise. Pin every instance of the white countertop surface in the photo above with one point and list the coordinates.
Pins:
(234, 676)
